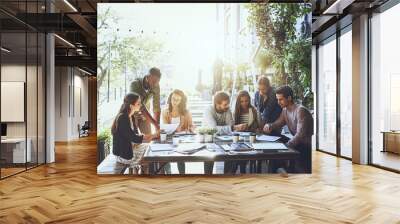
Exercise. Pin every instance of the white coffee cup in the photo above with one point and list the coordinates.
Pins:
(163, 137)
(235, 138)
(252, 138)
(175, 140)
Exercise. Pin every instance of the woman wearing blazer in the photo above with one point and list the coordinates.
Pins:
(127, 142)
(176, 113)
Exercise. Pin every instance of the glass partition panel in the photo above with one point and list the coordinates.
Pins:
(14, 150)
(327, 96)
(346, 94)
(385, 89)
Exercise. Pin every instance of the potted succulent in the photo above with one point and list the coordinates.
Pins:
(210, 134)
(201, 133)
(103, 144)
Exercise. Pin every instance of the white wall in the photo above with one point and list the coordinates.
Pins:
(71, 94)
(12, 73)
(33, 127)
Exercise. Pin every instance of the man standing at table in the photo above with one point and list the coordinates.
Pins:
(148, 88)
(300, 123)
(268, 107)
(266, 103)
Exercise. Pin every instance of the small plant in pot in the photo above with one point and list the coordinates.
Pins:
(103, 144)
(210, 134)
(201, 133)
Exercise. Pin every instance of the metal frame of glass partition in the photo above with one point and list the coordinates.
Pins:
(338, 33)
(43, 54)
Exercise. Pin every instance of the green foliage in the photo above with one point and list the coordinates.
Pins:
(263, 60)
(207, 131)
(202, 130)
(211, 131)
(119, 54)
(243, 67)
(287, 51)
(105, 136)
(298, 63)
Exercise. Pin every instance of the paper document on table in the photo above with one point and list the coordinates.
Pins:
(169, 128)
(161, 147)
(242, 133)
(267, 138)
(189, 148)
(269, 146)
(224, 137)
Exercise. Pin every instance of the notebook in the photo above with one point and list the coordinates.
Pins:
(242, 133)
(269, 146)
(238, 147)
(267, 138)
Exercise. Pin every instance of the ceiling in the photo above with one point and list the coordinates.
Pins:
(332, 15)
(75, 21)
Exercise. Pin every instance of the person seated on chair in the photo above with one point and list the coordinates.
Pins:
(300, 123)
(246, 115)
(246, 118)
(176, 113)
(127, 142)
(219, 116)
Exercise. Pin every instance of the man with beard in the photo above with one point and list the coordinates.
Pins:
(219, 116)
(300, 123)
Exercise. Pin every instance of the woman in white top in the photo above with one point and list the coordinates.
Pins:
(177, 113)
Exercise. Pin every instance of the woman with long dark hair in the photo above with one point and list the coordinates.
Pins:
(176, 113)
(246, 118)
(127, 142)
(246, 115)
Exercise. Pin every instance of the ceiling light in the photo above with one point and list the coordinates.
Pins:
(70, 5)
(64, 40)
(5, 50)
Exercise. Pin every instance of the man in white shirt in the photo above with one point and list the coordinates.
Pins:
(218, 116)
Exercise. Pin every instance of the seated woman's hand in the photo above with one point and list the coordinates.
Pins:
(240, 127)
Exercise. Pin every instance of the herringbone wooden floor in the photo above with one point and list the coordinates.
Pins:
(70, 191)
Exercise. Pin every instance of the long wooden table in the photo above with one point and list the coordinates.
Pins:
(214, 152)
